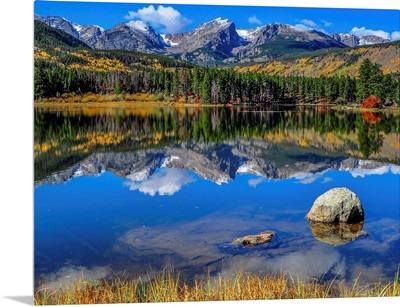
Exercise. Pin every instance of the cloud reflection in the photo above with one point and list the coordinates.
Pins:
(69, 275)
(307, 178)
(327, 179)
(362, 172)
(254, 182)
(167, 181)
(313, 262)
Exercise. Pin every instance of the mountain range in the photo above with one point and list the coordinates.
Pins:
(215, 41)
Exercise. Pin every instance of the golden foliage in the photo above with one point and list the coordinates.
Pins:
(98, 65)
(41, 54)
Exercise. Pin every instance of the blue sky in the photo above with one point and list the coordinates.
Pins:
(172, 18)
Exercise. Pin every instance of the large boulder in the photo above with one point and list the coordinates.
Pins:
(338, 205)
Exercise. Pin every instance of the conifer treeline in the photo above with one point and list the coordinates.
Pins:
(174, 80)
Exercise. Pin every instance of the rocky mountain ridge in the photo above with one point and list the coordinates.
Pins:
(133, 35)
(215, 41)
(88, 34)
(352, 40)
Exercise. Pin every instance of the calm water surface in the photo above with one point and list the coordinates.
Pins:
(133, 191)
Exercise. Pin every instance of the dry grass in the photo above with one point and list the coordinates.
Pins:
(168, 287)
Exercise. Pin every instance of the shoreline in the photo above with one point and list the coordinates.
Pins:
(158, 104)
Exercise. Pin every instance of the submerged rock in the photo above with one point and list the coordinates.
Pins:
(337, 234)
(338, 205)
(253, 240)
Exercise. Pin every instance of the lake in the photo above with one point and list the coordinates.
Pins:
(129, 191)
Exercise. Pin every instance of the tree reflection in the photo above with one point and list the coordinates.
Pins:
(369, 134)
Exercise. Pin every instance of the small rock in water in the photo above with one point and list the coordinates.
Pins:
(253, 240)
(338, 205)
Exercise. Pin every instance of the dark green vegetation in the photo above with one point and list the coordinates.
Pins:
(351, 58)
(45, 35)
(63, 67)
(373, 82)
(281, 46)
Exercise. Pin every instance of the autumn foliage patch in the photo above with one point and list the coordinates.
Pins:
(371, 117)
(371, 102)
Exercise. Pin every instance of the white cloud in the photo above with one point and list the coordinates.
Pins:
(395, 36)
(167, 181)
(303, 27)
(308, 22)
(326, 23)
(363, 31)
(255, 20)
(164, 17)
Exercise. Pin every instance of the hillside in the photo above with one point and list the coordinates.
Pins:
(65, 69)
(46, 36)
(67, 50)
(276, 49)
(331, 62)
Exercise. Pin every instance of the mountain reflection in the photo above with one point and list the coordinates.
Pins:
(158, 170)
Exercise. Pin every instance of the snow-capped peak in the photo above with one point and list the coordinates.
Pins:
(139, 25)
(76, 27)
(167, 41)
(221, 21)
(101, 28)
(247, 34)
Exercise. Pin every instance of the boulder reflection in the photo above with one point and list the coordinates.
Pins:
(337, 234)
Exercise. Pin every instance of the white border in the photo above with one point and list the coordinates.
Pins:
(16, 217)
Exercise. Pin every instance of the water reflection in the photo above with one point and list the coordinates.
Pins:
(63, 138)
(337, 234)
(133, 191)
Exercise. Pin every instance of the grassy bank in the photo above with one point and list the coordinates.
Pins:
(123, 98)
(168, 287)
(158, 100)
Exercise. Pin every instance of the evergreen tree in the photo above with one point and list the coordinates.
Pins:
(369, 80)
(175, 84)
(206, 88)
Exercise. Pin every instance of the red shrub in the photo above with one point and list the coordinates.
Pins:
(371, 102)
